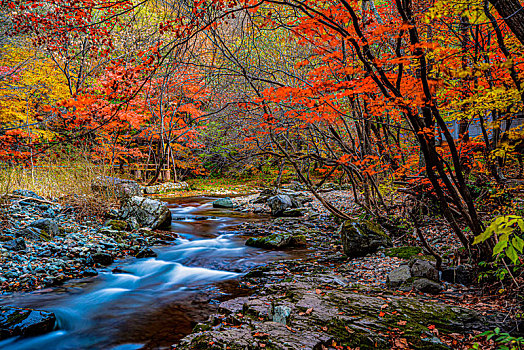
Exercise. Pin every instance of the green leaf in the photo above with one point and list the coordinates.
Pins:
(512, 254)
(499, 247)
(484, 235)
(521, 224)
(518, 243)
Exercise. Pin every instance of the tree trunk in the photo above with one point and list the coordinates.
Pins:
(512, 13)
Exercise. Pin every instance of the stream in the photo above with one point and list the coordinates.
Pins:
(151, 303)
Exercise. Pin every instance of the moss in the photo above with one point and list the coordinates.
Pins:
(350, 335)
(405, 252)
(45, 235)
(299, 240)
(201, 327)
(274, 241)
(374, 227)
(119, 225)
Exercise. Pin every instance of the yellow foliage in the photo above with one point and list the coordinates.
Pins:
(28, 82)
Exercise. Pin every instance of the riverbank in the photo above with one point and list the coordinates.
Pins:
(44, 243)
(327, 301)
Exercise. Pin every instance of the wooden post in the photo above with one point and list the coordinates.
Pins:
(166, 175)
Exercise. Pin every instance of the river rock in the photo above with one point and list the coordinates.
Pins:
(276, 241)
(457, 274)
(315, 318)
(15, 244)
(121, 188)
(48, 228)
(423, 268)
(147, 212)
(146, 253)
(360, 238)
(279, 204)
(226, 203)
(265, 195)
(398, 277)
(24, 322)
(103, 258)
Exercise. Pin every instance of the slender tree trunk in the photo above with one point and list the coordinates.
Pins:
(512, 13)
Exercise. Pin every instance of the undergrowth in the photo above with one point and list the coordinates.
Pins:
(65, 180)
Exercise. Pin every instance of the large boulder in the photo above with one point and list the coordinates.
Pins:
(121, 188)
(424, 269)
(226, 203)
(420, 275)
(279, 204)
(41, 229)
(24, 322)
(425, 285)
(147, 212)
(360, 238)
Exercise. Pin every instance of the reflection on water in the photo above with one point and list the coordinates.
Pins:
(152, 302)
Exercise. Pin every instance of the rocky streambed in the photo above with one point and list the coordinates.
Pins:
(281, 283)
(44, 243)
(306, 306)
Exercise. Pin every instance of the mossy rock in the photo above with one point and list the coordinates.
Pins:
(118, 225)
(45, 235)
(405, 252)
(362, 237)
(351, 317)
(276, 241)
(201, 327)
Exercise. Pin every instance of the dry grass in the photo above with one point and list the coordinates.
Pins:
(66, 180)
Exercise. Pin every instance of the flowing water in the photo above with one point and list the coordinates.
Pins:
(150, 303)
